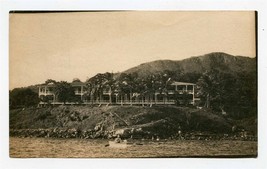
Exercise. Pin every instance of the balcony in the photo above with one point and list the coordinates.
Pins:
(170, 91)
(106, 92)
(46, 93)
(185, 91)
(79, 92)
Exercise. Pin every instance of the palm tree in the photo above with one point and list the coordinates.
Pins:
(131, 84)
(150, 88)
(95, 87)
(122, 86)
(109, 82)
(89, 91)
(126, 85)
(141, 87)
(162, 83)
(209, 87)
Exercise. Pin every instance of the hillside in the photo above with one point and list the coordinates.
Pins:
(163, 121)
(220, 61)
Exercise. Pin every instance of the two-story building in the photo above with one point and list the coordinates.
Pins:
(176, 93)
(185, 92)
(47, 92)
(79, 89)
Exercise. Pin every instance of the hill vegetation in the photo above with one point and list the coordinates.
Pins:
(164, 121)
(199, 64)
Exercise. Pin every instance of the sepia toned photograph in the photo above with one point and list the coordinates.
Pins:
(133, 84)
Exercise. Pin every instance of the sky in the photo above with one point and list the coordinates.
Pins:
(64, 46)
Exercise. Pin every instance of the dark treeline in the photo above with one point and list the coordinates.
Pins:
(234, 93)
(22, 97)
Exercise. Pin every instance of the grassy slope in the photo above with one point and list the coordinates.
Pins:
(161, 119)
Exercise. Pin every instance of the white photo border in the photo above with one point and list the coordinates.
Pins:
(156, 5)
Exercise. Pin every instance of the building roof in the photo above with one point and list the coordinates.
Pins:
(182, 83)
(47, 85)
(77, 83)
(72, 84)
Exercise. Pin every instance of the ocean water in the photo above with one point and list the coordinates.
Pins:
(95, 148)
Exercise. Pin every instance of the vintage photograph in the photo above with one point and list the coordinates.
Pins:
(133, 84)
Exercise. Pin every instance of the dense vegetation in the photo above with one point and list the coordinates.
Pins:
(236, 94)
(160, 120)
(104, 122)
(22, 97)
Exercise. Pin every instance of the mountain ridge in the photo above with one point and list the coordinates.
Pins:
(216, 60)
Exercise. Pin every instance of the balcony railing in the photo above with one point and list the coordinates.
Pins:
(170, 91)
(178, 91)
(79, 92)
(185, 91)
(46, 93)
(106, 92)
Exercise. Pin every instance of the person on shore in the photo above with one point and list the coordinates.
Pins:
(180, 134)
(118, 139)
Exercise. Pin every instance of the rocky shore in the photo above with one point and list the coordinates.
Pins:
(164, 122)
(92, 134)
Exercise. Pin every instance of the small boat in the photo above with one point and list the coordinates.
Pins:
(114, 144)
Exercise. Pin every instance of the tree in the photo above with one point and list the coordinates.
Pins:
(150, 87)
(97, 84)
(122, 86)
(109, 83)
(246, 93)
(64, 92)
(22, 97)
(191, 77)
(128, 84)
(76, 80)
(163, 82)
(227, 90)
(94, 86)
(209, 87)
(48, 81)
(141, 87)
(234, 93)
(89, 93)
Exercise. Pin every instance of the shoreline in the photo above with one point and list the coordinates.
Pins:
(90, 134)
